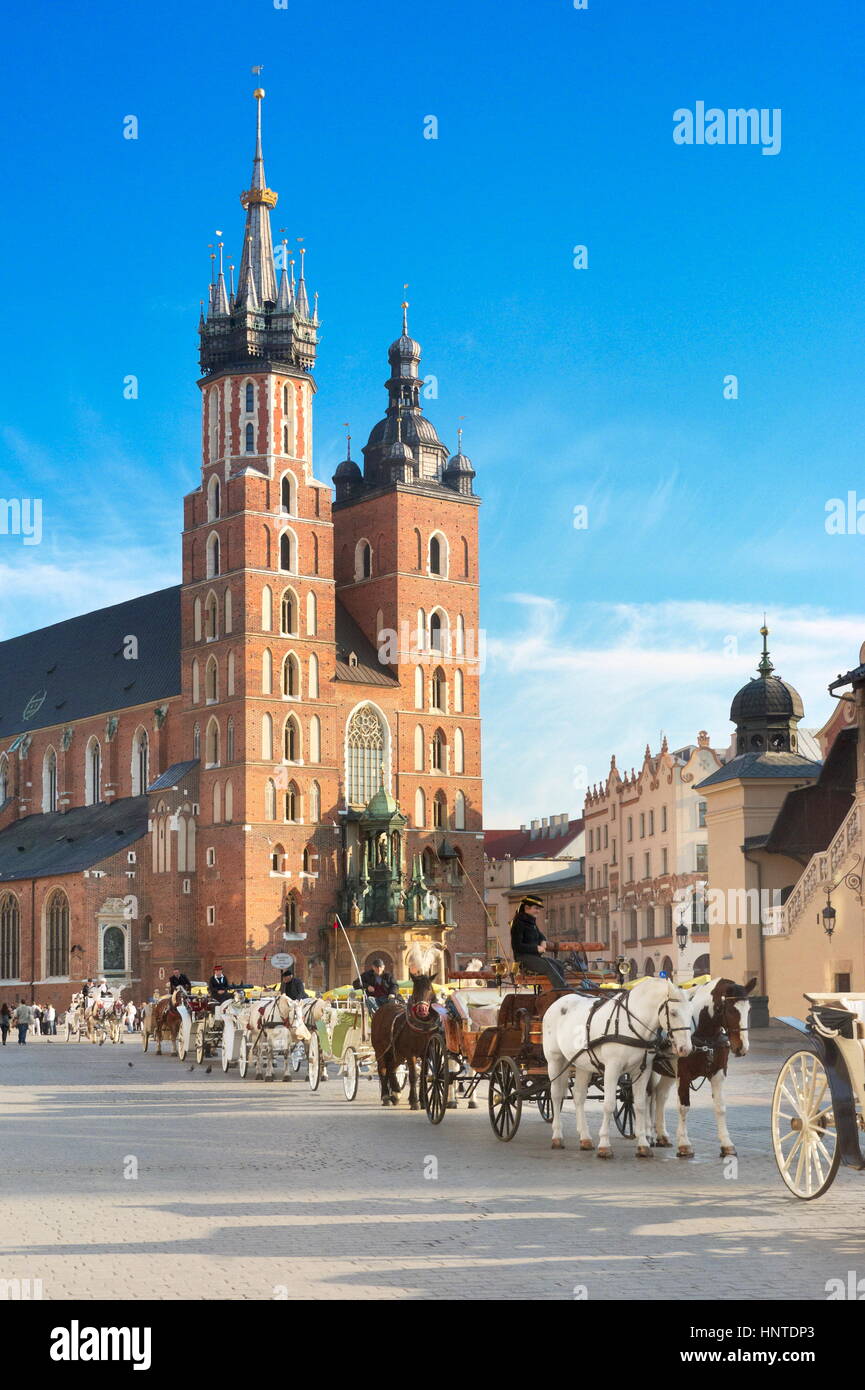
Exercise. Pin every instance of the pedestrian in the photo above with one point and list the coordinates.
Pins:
(22, 1017)
(5, 1020)
(130, 1017)
(35, 1019)
(50, 1027)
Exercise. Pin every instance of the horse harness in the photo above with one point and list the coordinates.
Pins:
(657, 1044)
(432, 1024)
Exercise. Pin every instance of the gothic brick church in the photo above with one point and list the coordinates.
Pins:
(211, 773)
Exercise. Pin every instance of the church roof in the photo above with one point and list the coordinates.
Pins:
(45, 846)
(755, 766)
(79, 667)
(173, 776)
(365, 669)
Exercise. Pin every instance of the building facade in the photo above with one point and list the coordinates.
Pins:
(546, 859)
(291, 734)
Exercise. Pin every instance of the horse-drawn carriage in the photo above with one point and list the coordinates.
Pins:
(74, 1025)
(818, 1108)
(201, 1025)
(95, 1021)
(341, 1035)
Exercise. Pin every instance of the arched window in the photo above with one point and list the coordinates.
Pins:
(418, 687)
(311, 614)
(461, 636)
(266, 738)
(436, 632)
(362, 560)
(440, 811)
(211, 751)
(93, 773)
(228, 613)
(190, 844)
(113, 951)
(213, 498)
(459, 811)
(277, 860)
(196, 682)
(266, 608)
(249, 439)
(250, 398)
(439, 754)
(313, 677)
(286, 493)
(270, 799)
(437, 555)
(459, 751)
(458, 691)
(211, 618)
(49, 781)
(288, 614)
(141, 762)
(57, 936)
(465, 558)
(365, 741)
(217, 803)
(291, 740)
(211, 682)
(292, 802)
(419, 808)
(289, 916)
(285, 551)
(267, 673)
(291, 676)
(315, 739)
(229, 685)
(229, 742)
(4, 779)
(10, 937)
(212, 556)
(315, 552)
(418, 549)
(439, 689)
(418, 749)
(196, 741)
(315, 803)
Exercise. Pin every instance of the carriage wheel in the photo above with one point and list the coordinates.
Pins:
(200, 1046)
(401, 1075)
(313, 1061)
(180, 1044)
(434, 1080)
(504, 1100)
(298, 1052)
(224, 1054)
(545, 1105)
(804, 1137)
(350, 1074)
(624, 1111)
(243, 1057)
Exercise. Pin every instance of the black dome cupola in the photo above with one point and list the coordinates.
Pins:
(766, 711)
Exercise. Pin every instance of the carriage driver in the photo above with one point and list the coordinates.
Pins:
(377, 984)
(528, 943)
(177, 979)
(291, 985)
(218, 986)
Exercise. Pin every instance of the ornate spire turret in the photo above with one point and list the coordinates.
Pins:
(764, 666)
(257, 262)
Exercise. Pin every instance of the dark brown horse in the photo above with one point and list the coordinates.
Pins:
(400, 1031)
(719, 1013)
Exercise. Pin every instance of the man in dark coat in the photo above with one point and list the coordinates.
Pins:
(176, 979)
(218, 986)
(528, 943)
(377, 984)
(291, 985)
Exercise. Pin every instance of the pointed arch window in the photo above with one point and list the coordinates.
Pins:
(266, 738)
(458, 691)
(196, 682)
(291, 676)
(459, 751)
(214, 499)
(217, 803)
(10, 937)
(366, 749)
(93, 773)
(267, 672)
(289, 915)
(267, 608)
(435, 555)
(315, 739)
(313, 677)
(440, 811)
(211, 751)
(140, 762)
(363, 560)
(4, 779)
(285, 551)
(439, 751)
(311, 614)
(249, 439)
(465, 558)
(315, 803)
(211, 682)
(418, 749)
(230, 680)
(291, 740)
(418, 687)
(196, 741)
(459, 811)
(270, 799)
(286, 493)
(212, 556)
(436, 632)
(315, 551)
(229, 802)
(277, 859)
(229, 742)
(292, 802)
(439, 689)
(49, 781)
(418, 549)
(288, 614)
(228, 612)
(57, 936)
(419, 808)
(211, 618)
(196, 620)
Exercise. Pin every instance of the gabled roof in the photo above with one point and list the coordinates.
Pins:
(524, 844)
(350, 640)
(79, 667)
(757, 766)
(173, 776)
(45, 846)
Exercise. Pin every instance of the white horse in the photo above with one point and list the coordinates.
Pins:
(613, 1036)
(274, 1025)
(720, 1015)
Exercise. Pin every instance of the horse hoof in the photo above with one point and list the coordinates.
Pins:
(643, 1151)
(587, 1144)
(269, 1078)
(605, 1153)
(557, 1144)
(386, 1100)
(729, 1151)
(452, 1105)
(664, 1143)
(685, 1153)
(413, 1105)
(473, 1105)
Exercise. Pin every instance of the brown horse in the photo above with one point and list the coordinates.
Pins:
(162, 1019)
(719, 1019)
(400, 1032)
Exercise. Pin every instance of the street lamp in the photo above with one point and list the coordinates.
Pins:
(829, 916)
(682, 935)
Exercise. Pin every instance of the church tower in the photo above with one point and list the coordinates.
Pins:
(258, 611)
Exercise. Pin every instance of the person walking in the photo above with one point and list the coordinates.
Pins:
(22, 1017)
(5, 1020)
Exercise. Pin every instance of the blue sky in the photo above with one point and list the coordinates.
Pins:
(600, 387)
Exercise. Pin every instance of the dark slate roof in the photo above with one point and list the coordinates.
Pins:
(77, 668)
(752, 766)
(349, 638)
(810, 816)
(766, 697)
(46, 846)
(172, 776)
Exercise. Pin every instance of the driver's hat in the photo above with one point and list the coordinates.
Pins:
(531, 902)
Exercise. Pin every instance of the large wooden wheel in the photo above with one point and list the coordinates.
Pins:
(545, 1105)
(350, 1073)
(313, 1061)
(224, 1053)
(243, 1057)
(181, 1043)
(624, 1111)
(504, 1099)
(804, 1138)
(200, 1043)
(434, 1080)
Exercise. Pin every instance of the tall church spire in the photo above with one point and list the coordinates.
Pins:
(257, 261)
